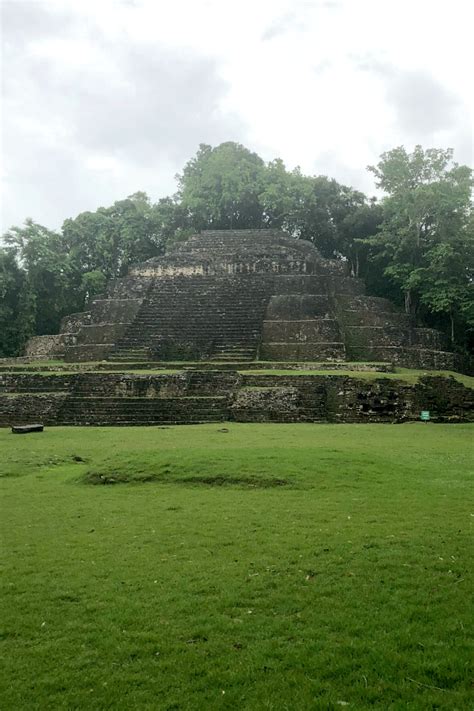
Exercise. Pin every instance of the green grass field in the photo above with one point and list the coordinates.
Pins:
(237, 567)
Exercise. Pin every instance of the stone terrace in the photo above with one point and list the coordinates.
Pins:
(193, 396)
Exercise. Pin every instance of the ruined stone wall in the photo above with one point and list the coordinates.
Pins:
(265, 398)
(73, 322)
(91, 335)
(45, 347)
(215, 396)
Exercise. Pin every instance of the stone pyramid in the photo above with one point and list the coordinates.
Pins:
(240, 295)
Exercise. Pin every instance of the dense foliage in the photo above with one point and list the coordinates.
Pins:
(415, 245)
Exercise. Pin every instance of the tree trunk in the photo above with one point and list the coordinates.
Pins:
(451, 318)
(408, 301)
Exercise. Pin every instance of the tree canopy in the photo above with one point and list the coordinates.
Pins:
(425, 241)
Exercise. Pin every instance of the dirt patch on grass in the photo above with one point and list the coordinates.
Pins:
(97, 478)
(250, 482)
(254, 482)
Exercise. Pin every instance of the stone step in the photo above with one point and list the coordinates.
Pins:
(301, 331)
(108, 419)
(366, 303)
(410, 357)
(303, 351)
(365, 317)
(230, 357)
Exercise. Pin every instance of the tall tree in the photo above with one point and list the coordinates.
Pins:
(219, 188)
(358, 225)
(428, 204)
(11, 284)
(446, 284)
(109, 239)
(47, 293)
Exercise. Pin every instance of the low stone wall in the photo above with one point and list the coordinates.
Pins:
(446, 398)
(28, 409)
(345, 399)
(214, 396)
(88, 353)
(35, 383)
(410, 357)
(267, 404)
(302, 351)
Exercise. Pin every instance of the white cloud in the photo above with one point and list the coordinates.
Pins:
(106, 97)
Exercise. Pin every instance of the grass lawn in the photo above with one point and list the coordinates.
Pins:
(242, 566)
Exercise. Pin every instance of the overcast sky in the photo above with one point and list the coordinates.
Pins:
(102, 98)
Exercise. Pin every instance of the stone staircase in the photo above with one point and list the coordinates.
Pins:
(373, 329)
(143, 411)
(302, 327)
(131, 399)
(234, 354)
(187, 318)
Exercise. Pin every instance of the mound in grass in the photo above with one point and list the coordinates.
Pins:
(166, 477)
(96, 478)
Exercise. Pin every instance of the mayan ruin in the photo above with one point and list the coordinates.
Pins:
(216, 306)
(236, 355)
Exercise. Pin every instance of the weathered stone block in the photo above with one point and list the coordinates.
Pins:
(298, 306)
(98, 334)
(302, 351)
(114, 310)
(307, 331)
(267, 404)
(73, 322)
(47, 347)
(85, 353)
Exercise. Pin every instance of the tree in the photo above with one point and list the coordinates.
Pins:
(355, 228)
(92, 284)
(46, 291)
(428, 204)
(110, 239)
(11, 284)
(172, 223)
(446, 285)
(219, 188)
(230, 187)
